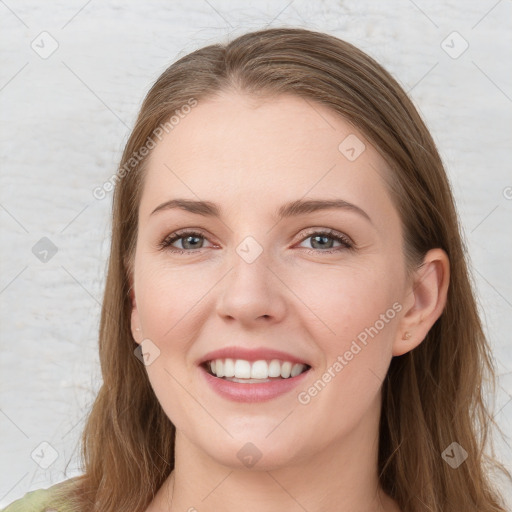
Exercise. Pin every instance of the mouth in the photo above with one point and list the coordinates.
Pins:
(252, 372)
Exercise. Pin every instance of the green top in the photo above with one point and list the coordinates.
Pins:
(40, 500)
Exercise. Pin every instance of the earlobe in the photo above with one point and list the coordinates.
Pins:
(135, 324)
(428, 292)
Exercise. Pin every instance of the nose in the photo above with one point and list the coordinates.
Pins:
(253, 292)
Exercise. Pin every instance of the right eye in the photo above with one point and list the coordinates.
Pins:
(189, 238)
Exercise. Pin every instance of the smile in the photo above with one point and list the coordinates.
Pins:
(247, 389)
(243, 371)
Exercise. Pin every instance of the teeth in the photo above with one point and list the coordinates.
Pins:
(297, 369)
(274, 368)
(260, 370)
(286, 369)
(242, 369)
(229, 368)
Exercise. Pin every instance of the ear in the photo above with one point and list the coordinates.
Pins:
(424, 302)
(135, 323)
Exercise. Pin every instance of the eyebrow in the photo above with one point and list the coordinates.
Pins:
(292, 209)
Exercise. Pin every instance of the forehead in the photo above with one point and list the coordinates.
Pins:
(241, 151)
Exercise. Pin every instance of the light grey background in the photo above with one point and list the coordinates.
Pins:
(65, 119)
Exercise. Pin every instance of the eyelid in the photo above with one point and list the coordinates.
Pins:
(329, 232)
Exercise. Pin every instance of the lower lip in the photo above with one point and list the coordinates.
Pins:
(256, 392)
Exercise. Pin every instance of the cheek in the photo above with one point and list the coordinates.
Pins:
(169, 297)
(354, 325)
(357, 314)
(169, 301)
(347, 299)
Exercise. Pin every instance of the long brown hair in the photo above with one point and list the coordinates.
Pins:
(432, 396)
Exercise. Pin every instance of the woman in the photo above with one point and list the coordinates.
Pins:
(288, 321)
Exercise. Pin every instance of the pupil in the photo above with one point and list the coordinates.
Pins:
(186, 240)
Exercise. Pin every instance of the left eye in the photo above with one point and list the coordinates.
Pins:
(191, 240)
(321, 240)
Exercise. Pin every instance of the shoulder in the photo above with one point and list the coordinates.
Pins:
(41, 500)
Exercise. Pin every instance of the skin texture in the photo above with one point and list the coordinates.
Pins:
(251, 156)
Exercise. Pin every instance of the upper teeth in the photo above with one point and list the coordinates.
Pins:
(242, 369)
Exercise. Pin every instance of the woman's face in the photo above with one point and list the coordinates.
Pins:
(325, 286)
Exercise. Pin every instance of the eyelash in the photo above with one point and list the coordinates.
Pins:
(166, 243)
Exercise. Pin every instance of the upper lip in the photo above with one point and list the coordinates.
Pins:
(254, 354)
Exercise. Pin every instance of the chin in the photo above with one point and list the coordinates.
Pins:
(255, 454)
